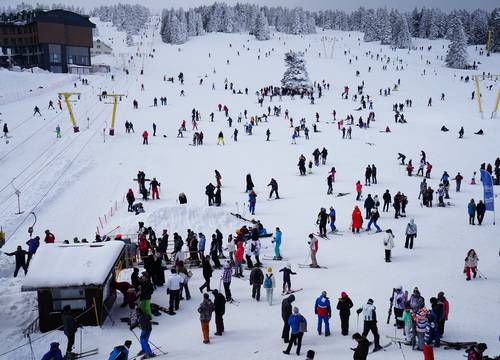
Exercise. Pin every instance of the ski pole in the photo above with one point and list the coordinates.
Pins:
(481, 274)
(357, 323)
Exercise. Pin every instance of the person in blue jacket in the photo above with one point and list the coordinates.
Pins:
(252, 199)
(332, 215)
(54, 352)
(120, 352)
(471, 209)
(33, 245)
(323, 309)
(298, 325)
(277, 244)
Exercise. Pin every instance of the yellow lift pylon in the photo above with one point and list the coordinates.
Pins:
(115, 97)
(67, 96)
(477, 80)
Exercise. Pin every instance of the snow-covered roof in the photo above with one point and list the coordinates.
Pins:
(59, 265)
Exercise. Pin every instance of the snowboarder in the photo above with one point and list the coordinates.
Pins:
(411, 233)
(298, 325)
(286, 312)
(219, 309)
(344, 306)
(274, 188)
(323, 309)
(370, 322)
(471, 261)
(269, 284)
(388, 244)
(277, 243)
(20, 255)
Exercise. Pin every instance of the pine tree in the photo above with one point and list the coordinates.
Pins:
(457, 50)
(494, 24)
(478, 31)
(129, 39)
(262, 27)
(295, 77)
(383, 27)
(369, 27)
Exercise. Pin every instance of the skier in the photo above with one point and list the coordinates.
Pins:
(235, 135)
(120, 352)
(461, 133)
(36, 110)
(344, 306)
(323, 218)
(252, 200)
(286, 312)
(277, 243)
(357, 220)
(155, 185)
(406, 319)
(54, 352)
(256, 280)
(388, 244)
(368, 175)
(471, 261)
(209, 191)
(220, 138)
(238, 259)
(287, 284)
(323, 309)
(359, 187)
(411, 233)
(374, 216)
(5, 130)
(398, 298)
(58, 132)
(33, 245)
(268, 134)
(70, 327)
(220, 310)
(370, 322)
(332, 216)
(458, 178)
(298, 325)
(471, 209)
(145, 136)
(250, 185)
(269, 284)
(274, 188)
(361, 351)
(20, 255)
(313, 250)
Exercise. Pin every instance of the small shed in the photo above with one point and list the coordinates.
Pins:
(79, 275)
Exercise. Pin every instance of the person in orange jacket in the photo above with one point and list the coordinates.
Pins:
(357, 219)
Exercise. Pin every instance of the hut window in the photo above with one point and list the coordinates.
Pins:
(75, 297)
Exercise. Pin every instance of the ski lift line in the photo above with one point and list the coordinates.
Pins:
(33, 176)
(45, 124)
(97, 131)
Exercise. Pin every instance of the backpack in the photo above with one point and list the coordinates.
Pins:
(268, 282)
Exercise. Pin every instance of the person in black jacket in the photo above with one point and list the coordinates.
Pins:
(322, 220)
(361, 351)
(220, 309)
(344, 306)
(369, 204)
(217, 197)
(387, 200)
(209, 191)
(480, 210)
(256, 280)
(274, 188)
(70, 327)
(250, 184)
(20, 255)
(286, 311)
(207, 273)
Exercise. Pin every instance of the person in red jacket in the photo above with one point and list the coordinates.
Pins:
(428, 352)
(358, 190)
(145, 136)
(238, 258)
(130, 199)
(49, 237)
(357, 219)
(446, 310)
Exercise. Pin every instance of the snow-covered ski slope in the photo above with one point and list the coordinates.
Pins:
(71, 182)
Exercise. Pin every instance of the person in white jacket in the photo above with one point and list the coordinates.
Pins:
(269, 285)
(388, 244)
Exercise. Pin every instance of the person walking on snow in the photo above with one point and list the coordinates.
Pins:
(256, 280)
(130, 199)
(323, 310)
(471, 261)
(58, 132)
(145, 136)
(313, 250)
(411, 233)
(344, 306)
(287, 283)
(5, 130)
(277, 243)
(155, 186)
(359, 187)
(227, 273)
(370, 322)
(357, 220)
(298, 325)
(252, 200)
(388, 244)
(269, 285)
(286, 312)
(205, 310)
(274, 188)
(471, 209)
(361, 351)
(374, 216)
(323, 218)
(480, 210)
(20, 255)
(458, 178)
(220, 138)
(220, 310)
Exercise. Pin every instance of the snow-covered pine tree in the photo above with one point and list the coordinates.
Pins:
(369, 27)
(262, 27)
(383, 26)
(296, 77)
(457, 50)
(478, 32)
(129, 40)
(494, 24)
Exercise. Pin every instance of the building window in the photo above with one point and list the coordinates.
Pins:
(75, 297)
(55, 53)
(78, 55)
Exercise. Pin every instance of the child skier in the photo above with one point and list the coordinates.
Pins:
(287, 284)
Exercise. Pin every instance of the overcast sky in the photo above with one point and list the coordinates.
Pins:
(309, 4)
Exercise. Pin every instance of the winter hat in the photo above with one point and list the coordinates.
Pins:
(481, 347)
(370, 301)
(128, 343)
(54, 345)
(269, 269)
(295, 310)
(323, 293)
(343, 294)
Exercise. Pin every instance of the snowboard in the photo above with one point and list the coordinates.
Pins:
(341, 194)
(289, 292)
(457, 345)
(311, 267)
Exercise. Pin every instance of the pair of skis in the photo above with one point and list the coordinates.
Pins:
(81, 355)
